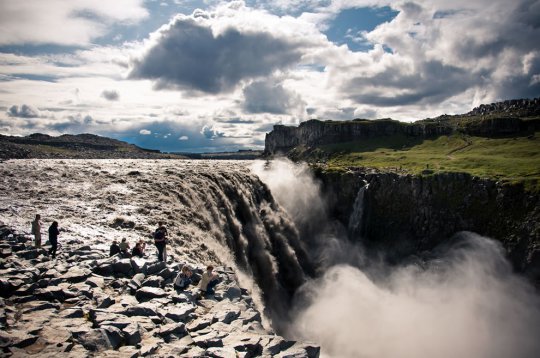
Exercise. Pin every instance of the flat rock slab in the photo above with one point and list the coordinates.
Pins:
(148, 293)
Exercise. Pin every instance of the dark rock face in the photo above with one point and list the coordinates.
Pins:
(405, 214)
(61, 308)
(503, 118)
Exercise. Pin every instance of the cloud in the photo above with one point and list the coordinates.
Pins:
(145, 132)
(435, 52)
(184, 137)
(75, 22)
(111, 95)
(215, 52)
(25, 111)
(269, 97)
(211, 133)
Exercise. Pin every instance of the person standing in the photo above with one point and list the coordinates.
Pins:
(36, 230)
(160, 240)
(53, 238)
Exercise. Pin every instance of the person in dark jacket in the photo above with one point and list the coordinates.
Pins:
(160, 239)
(137, 250)
(53, 238)
(114, 249)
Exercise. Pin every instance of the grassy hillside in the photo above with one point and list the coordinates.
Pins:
(508, 159)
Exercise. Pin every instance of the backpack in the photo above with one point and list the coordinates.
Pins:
(159, 235)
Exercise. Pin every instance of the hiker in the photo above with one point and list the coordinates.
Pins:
(36, 230)
(137, 250)
(183, 280)
(160, 240)
(142, 245)
(124, 247)
(208, 280)
(114, 249)
(53, 238)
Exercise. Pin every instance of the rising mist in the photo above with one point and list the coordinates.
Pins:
(467, 302)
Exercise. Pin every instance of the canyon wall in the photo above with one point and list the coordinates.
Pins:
(407, 215)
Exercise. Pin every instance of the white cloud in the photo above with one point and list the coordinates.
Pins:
(24, 111)
(63, 22)
(184, 137)
(145, 132)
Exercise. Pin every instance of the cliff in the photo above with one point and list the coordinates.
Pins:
(80, 146)
(406, 215)
(498, 119)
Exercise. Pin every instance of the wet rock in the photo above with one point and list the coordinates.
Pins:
(148, 293)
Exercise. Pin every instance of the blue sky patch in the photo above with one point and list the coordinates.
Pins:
(349, 24)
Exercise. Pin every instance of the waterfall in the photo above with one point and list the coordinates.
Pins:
(215, 211)
(356, 218)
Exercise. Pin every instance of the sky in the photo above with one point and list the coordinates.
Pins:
(207, 76)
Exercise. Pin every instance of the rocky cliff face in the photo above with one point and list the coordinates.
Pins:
(406, 215)
(504, 118)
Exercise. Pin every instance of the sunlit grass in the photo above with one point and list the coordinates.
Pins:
(509, 159)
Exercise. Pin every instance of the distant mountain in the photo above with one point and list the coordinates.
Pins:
(80, 146)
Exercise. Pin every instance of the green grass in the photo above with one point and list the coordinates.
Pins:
(508, 159)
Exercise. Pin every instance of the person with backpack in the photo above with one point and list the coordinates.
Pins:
(160, 240)
(36, 230)
(53, 238)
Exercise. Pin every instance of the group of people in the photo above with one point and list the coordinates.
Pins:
(186, 277)
(123, 248)
(54, 231)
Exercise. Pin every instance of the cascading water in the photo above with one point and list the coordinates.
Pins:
(210, 208)
(357, 214)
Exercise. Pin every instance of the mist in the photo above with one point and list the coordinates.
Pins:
(465, 301)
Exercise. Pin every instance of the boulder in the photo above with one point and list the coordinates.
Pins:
(76, 274)
(136, 281)
(155, 267)
(139, 265)
(178, 329)
(123, 266)
(180, 313)
(145, 310)
(148, 293)
(153, 281)
(220, 352)
(113, 335)
(132, 334)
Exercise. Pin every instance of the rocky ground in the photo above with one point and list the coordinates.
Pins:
(84, 304)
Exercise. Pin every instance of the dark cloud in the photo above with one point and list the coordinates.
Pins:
(235, 121)
(189, 56)
(111, 95)
(267, 97)
(24, 111)
(432, 83)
